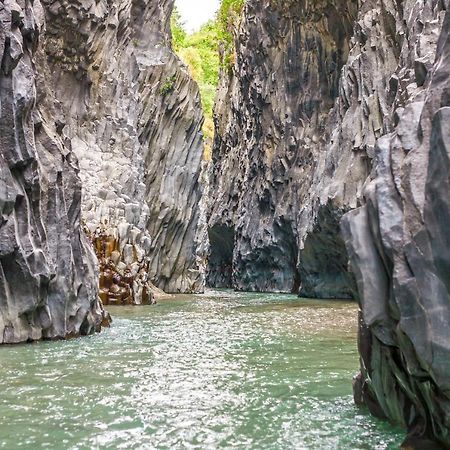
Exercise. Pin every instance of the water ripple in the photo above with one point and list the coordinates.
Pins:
(225, 370)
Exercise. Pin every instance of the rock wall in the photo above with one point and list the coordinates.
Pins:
(398, 241)
(128, 109)
(312, 88)
(271, 115)
(48, 278)
(338, 109)
(91, 94)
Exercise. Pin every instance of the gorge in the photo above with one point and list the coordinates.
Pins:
(327, 176)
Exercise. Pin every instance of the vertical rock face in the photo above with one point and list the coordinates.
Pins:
(340, 108)
(92, 94)
(48, 281)
(130, 112)
(398, 241)
(271, 118)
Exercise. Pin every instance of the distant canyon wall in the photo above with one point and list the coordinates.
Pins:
(274, 125)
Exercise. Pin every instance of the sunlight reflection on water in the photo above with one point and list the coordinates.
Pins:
(225, 370)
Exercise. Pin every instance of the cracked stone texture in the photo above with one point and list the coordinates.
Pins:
(127, 107)
(48, 277)
(331, 109)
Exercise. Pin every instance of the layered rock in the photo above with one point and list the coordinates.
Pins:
(129, 110)
(48, 278)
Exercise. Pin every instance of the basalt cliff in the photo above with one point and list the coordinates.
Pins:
(130, 112)
(331, 145)
(48, 275)
(100, 150)
(274, 124)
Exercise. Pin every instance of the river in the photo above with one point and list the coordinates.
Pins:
(223, 370)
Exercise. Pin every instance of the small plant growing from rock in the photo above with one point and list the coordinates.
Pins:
(169, 85)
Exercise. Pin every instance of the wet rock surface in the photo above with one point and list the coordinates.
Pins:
(128, 109)
(48, 276)
(398, 246)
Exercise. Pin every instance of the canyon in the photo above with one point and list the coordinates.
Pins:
(100, 138)
(328, 178)
(332, 145)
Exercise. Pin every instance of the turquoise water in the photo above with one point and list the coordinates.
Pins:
(224, 370)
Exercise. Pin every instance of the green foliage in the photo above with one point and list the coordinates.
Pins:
(200, 52)
(178, 32)
(169, 85)
(191, 57)
(228, 18)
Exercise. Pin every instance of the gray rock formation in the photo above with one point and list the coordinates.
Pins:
(129, 110)
(313, 86)
(48, 279)
(398, 242)
(334, 108)
(271, 125)
(92, 95)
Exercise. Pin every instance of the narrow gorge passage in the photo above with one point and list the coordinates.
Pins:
(223, 370)
(277, 146)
